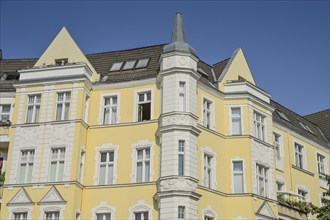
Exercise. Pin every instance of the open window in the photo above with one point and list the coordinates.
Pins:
(144, 106)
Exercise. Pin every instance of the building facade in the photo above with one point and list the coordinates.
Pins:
(151, 133)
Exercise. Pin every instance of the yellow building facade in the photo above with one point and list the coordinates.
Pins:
(153, 133)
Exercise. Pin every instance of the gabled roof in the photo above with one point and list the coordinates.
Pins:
(294, 123)
(219, 67)
(321, 119)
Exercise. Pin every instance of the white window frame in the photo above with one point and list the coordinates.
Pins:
(104, 207)
(265, 179)
(182, 96)
(279, 156)
(57, 160)
(86, 110)
(136, 103)
(208, 152)
(22, 208)
(144, 161)
(321, 163)
(304, 190)
(277, 146)
(81, 171)
(141, 145)
(207, 113)
(181, 212)
(20, 217)
(181, 154)
(111, 106)
(27, 163)
(208, 212)
(101, 107)
(35, 104)
(2, 114)
(65, 103)
(301, 160)
(51, 208)
(232, 117)
(237, 173)
(259, 125)
(282, 183)
(53, 213)
(105, 148)
(140, 206)
(107, 163)
(208, 171)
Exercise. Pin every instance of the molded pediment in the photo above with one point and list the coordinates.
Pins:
(265, 210)
(237, 68)
(64, 47)
(21, 197)
(53, 196)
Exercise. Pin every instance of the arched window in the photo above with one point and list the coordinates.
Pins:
(103, 212)
(140, 211)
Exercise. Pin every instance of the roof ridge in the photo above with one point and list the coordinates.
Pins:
(130, 49)
(221, 61)
(328, 109)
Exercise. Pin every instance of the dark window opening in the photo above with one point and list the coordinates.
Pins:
(144, 111)
(61, 62)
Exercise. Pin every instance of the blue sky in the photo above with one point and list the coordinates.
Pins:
(286, 43)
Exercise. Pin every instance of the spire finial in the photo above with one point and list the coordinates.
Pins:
(178, 41)
(178, 29)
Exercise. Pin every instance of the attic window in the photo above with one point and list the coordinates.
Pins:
(306, 127)
(241, 78)
(61, 62)
(129, 65)
(142, 63)
(282, 115)
(4, 77)
(104, 78)
(116, 66)
(201, 71)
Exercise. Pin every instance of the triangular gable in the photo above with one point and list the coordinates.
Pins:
(63, 46)
(52, 196)
(21, 198)
(237, 67)
(265, 210)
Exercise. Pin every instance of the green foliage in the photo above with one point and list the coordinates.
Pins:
(323, 212)
(2, 177)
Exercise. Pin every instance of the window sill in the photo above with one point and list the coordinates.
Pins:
(302, 170)
(34, 124)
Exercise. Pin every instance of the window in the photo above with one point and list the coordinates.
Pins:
(259, 125)
(57, 164)
(262, 180)
(236, 126)
(129, 65)
(302, 195)
(298, 152)
(61, 62)
(33, 108)
(141, 215)
(110, 110)
(208, 178)
(208, 217)
(238, 176)
(306, 127)
(142, 63)
(143, 165)
(280, 189)
(63, 106)
(52, 215)
(81, 167)
(207, 113)
(277, 146)
(103, 216)
(320, 164)
(106, 167)
(282, 115)
(20, 215)
(181, 158)
(116, 66)
(4, 113)
(182, 96)
(181, 212)
(86, 108)
(26, 167)
(144, 106)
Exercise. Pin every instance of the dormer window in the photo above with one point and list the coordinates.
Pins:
(116, 66)
(306, 127)
(282, 115)
(142, 63)
(61, 62)
(129, 65)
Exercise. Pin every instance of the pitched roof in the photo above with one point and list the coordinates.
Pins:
(10, 68)
(321, 119)
(219, 67)
(102, 63)
(294, 122)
